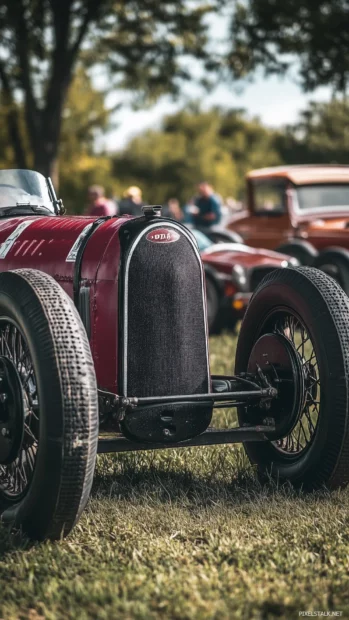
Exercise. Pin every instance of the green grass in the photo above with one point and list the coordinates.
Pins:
(185, 534)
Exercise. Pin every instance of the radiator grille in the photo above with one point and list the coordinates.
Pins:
(165, 340)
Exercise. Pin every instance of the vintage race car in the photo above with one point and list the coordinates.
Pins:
(103, 348)
(232, 272)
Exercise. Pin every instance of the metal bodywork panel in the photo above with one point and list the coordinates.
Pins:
(45, 243)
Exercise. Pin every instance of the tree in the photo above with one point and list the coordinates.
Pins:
(192, 145)
(272, 34)
(144, 44)
(85, 118)
(321, 135)
(6, 153)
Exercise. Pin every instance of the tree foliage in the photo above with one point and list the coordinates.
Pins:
(321, 136)
(221, 146)
(142, 44)
(272, 34)
(192, 145)
(85, 118)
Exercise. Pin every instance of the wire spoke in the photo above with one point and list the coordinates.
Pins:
(15, 478)
(303, 432)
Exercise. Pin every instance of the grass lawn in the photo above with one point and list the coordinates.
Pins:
(185, 534)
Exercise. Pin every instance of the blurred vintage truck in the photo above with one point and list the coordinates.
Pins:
(302, 211)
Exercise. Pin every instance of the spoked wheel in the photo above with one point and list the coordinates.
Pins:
(48, 407)
(19, 419)
(296, 330)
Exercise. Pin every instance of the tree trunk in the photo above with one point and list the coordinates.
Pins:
(45, 142)
(46, 161)
(16, 139)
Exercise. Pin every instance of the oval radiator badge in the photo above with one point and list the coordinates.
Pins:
(163, 235)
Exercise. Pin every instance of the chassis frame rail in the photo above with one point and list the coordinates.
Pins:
(212, 436)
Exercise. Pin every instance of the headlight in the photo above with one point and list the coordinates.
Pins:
(240, 277)
(294, 262)
(291, 262)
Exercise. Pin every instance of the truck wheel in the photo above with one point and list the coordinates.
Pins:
(302, 250)
(48, 406)
(310, 311)
(335, 262)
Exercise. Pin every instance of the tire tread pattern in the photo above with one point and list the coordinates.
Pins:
(65, 349)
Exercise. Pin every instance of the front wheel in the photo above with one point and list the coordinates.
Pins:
(309, 310)
(48, 406)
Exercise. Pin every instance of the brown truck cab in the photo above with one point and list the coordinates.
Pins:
(302, 211)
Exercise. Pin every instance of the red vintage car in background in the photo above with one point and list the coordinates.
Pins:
(233, 272)
(302, 211)
(104, 348)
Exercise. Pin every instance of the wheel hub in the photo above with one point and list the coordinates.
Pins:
(11, 412)
(275, 358)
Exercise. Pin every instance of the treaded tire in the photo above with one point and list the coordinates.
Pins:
(68, 405)
(302, 250)
(324, 310)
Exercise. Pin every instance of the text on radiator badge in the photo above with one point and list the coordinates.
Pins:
(162, 235)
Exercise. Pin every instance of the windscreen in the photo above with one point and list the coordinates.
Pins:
(24, 188)
(323, 196)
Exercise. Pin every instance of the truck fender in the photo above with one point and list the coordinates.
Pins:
(302, 250)
(335, 262)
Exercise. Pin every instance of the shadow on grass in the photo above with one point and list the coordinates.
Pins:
(12, 541)
(223, 479)
(193, 481)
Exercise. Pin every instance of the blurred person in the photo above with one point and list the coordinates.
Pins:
(173, 210)
(131, 203)
(208, 207)
(189, 211)
(97, 203)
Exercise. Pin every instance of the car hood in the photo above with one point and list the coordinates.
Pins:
(230, 254)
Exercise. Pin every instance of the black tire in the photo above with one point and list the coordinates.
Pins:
(212, 299)
(335, 262)
(59, 464)
(323, 309)
(301, 250)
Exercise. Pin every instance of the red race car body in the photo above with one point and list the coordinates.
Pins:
(51, 245)
(104, 348)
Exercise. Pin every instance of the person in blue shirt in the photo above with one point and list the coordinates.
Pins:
(208, 207)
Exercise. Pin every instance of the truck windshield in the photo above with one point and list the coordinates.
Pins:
(269, 196)
(323, 196)
(24, 189)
